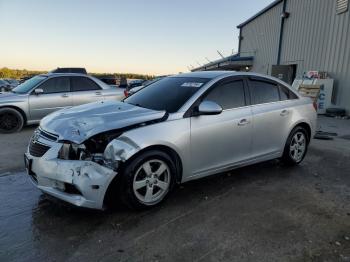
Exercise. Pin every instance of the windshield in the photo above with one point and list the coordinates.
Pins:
(28, 85)
(167, 94)
(148, 82)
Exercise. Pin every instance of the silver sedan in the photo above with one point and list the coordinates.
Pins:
(41, 95)
(175, 130)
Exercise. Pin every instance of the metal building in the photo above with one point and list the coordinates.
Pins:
(300, 35)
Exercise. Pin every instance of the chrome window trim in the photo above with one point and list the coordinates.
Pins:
(188, 104)
(271, 103)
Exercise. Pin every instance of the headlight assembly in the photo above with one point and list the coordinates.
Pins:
(71, 151)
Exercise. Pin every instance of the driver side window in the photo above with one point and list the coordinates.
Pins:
(56, 85)
(228, 95)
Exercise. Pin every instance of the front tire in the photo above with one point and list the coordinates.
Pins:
(10, 120)
(147, 179)
(296, 146)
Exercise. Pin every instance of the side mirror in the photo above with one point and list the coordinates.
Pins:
(209, 108)
(38, 91)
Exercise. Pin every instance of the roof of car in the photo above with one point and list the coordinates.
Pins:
(65, 74)
(205, 74)
(219, 74)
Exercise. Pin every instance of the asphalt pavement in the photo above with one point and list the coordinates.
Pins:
(266, 212)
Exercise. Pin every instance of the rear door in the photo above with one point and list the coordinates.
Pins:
(220, 141)
(56, 96)
(272, 113)
(85, 90)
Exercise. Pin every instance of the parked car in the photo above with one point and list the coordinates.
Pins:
(41, 95)
(12, 82)
(135, 83)
(112, 81)
(76, 70)
(4, 86)
(132, 90)
(207, 123)
(25, 78)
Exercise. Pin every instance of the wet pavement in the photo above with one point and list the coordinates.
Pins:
(266, 212)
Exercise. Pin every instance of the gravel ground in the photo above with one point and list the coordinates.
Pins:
(266, 212)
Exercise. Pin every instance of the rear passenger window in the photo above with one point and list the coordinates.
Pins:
(228, 95)
(286, 94)
(264, 92)
(83, 84)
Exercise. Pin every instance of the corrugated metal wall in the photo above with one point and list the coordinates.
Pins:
(315, 38)
(261, 38)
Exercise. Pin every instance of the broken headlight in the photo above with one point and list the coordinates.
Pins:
(71, 151)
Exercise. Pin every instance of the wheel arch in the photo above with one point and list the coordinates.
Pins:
(25, 119)
(111, 192)
(168, 150)
(306, 126)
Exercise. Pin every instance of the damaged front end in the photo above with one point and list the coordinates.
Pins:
(76, 173)
(76, 153)
(91, 150)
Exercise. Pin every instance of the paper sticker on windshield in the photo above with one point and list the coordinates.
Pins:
(192, 84)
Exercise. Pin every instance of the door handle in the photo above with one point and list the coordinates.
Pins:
(64, 95)
(243, 122)
(98, 93)
(284, 112)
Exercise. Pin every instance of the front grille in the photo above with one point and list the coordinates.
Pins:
(47, 135)
(37, 149)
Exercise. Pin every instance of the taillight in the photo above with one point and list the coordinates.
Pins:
(126, 93)
(315, 105)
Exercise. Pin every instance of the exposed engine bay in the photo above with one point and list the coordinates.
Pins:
(95, 148)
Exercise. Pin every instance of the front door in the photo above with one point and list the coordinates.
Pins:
(56, 95)
(221, 141)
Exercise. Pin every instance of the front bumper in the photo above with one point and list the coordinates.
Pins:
(81, 183)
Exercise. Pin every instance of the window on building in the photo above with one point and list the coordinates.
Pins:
(342, 6)
(229, 95)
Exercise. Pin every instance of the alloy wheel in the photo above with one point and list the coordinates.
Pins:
(8, 122)
(151, 181)
(297, 146)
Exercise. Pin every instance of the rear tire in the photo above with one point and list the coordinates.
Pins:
(296, 146)
(10, 120)
(147, 179)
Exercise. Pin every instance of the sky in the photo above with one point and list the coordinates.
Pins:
(149, 37)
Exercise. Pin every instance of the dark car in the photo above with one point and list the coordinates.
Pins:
(133, 89)
(77, 70)
(4, 86)
(112, 81)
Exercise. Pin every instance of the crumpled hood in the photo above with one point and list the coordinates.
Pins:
(76, 124)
